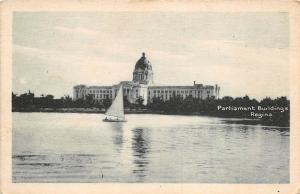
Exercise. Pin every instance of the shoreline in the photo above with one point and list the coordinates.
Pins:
(241, 120)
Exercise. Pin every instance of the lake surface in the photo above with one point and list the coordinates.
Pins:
(73, 147)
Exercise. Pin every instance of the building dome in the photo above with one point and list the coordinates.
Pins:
(143, 63)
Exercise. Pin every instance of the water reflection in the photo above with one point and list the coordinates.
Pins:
(117, 135)
(140, 146)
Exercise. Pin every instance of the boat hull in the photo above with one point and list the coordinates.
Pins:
(108, 120)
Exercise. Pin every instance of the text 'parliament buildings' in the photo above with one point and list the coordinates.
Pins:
(142, 86)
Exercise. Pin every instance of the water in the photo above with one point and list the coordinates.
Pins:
(71, 147)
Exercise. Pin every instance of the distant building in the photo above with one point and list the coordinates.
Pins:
(142, 85)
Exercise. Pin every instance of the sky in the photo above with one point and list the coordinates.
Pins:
(244, 53)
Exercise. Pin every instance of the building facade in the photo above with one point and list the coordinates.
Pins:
(142, 86)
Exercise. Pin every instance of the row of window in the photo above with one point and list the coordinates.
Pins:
(154, 91)
(127, 90)
(141, 76)
(99, 91)
(181, 92)
(161, 95)
(177, 91)
(102, 96)
(167, 97)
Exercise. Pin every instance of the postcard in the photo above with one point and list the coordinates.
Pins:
(150, 96)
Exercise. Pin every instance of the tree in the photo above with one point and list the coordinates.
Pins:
(107, 102)
(127, 104)
(266, 101)
(140, 101)
(14, 98)
(67, 101)
(188, 104)
(156, 104)
(174, 105)
(89, 100)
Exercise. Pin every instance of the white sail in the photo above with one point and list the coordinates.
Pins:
(116, 109)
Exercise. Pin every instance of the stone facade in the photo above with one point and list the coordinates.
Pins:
(142, 85)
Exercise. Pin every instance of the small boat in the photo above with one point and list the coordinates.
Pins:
(115, 113)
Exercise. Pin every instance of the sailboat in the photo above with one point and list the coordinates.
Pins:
(115, 113)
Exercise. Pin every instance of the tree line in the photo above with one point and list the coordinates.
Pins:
(28, 101)
(190, 105)
(175, 105)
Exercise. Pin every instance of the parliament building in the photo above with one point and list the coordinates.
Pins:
(142, 85)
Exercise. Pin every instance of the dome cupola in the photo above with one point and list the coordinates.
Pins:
(143, 63)
(143, 71)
